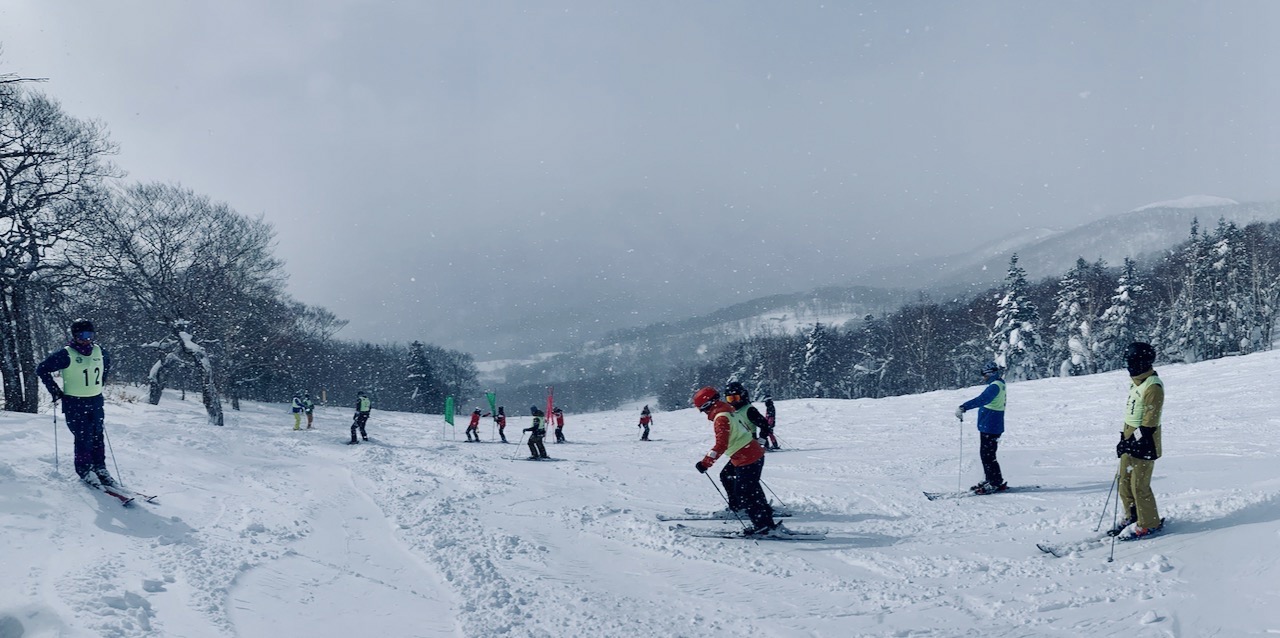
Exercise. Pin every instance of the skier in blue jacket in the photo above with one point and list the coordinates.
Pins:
(990, 406)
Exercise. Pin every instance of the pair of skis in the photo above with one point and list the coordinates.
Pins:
(1058, 550)
(690, 514)
(938, 496)
(126, 496)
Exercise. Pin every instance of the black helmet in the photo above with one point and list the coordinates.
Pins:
(1138, 357)
(990, 368)
(82, 325)
(736, 394)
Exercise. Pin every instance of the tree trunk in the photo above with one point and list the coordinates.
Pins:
(155, 381)
(26, 349)
(9, 371)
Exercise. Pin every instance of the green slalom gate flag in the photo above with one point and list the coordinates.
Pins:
(493, 401)
(448, 410)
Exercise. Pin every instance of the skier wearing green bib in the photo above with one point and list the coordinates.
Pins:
(84, 367)
(1139, 445)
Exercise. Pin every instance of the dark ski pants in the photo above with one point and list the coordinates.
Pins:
(750, 495)
(645, 436)
(559, 435)
(84, 418)
(729, 479)
(360, 419)
(471, 429)
(536, 448)
(987, 452)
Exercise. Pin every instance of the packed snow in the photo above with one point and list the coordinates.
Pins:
(263, 531)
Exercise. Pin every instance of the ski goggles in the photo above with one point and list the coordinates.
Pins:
(84, 335)
(707, 405)
(733, 398)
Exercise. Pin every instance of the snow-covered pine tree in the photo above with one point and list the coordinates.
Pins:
(1015, 337)
(1075, 343)
(421, 381)
(1184, 330)
(1125, 320)
(819, 365)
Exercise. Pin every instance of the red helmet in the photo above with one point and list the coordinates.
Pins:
(705, 398)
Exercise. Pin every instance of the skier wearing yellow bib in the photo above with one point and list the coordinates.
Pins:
(1139, 445)
(84, 367)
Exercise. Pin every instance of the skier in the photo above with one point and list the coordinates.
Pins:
(474, 426)
(501, 419)
(84, 366)
(990, 406)
(770, 417)
(646, 420)
(735, 394)
(536, 431)
(361, 417)
(297, 409)
(736, 439)
(309, 408)
(558, 415)
(1139, 445)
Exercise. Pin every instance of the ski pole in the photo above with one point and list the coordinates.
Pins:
(775, 494)
(56, 470)
(726, 501)
(960, 468)
(1106, 503)
(113, 455)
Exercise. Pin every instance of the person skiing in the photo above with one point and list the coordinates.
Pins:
(735, 394)
(1139, 445)
(735, 438)
(558, 415)
(501, 420)
(474, 426)
(85, 367)
(361, 417)
(297, 409)
(536, 431)
(308, 407)
(771, 419)
(646, 419)
(990, 406)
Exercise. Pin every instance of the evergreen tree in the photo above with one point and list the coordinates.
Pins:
(1124, 320)
(1184, 330)
(819, 365)
(1074, 344)
(1015, 337)
(421, 380)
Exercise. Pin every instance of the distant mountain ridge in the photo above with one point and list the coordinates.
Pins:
(1042, 252)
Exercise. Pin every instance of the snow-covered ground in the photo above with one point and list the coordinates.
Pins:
(263, 531)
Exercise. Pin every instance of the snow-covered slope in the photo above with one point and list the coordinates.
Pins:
(264, 531)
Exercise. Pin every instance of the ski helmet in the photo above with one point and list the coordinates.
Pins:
(736, 394)
(705, 398)
(1138, 357)
(81, 326)
(990, 368)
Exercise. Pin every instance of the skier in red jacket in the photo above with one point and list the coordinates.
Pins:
(474, 426)
(736, 438)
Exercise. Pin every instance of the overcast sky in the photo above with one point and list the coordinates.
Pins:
(449, 171)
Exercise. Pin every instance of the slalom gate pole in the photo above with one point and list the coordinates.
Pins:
(113, 455)
(775, 494)
(1106, 503)
(726, 501)
(56, 469)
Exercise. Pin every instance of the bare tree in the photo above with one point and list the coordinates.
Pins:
(50, 164)
(198, 268)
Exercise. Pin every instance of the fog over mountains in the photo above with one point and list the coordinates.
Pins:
(1043, 252)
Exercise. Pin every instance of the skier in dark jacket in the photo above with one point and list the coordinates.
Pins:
(771, 419)
(361, 417)
(85, 366)
(536, 431)
(501, 420)
(990, 406)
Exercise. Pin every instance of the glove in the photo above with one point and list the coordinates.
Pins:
(57, 394)
(702, 468)
(960, 413)
(1122, 448)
